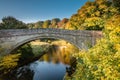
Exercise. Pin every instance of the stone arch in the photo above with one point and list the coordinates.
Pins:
(40, 37)
(12, 38)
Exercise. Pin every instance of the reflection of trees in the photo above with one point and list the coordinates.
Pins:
(12, 61)
(23, 73)
(58, 53)
(46, 57)
(70, 70)
(53, 53)
(26, 74)
(62, 54)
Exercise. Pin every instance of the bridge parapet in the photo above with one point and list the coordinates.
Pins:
(17, 32)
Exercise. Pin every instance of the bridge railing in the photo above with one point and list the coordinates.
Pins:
(19, 32)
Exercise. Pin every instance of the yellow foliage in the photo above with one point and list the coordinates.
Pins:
(102, 62)
(9, 62)
(102, 6)
(93, 21)
(93, 15)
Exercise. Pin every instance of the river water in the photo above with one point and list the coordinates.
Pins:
(42, 70)
(51, 66)
(48, 70)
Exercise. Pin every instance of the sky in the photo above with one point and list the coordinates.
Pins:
(39, 10)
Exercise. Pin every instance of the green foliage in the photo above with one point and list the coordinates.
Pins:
(26, 52)
(102, 62)
(38, 24)
(31, 25)
(116, 3)
(11, 23)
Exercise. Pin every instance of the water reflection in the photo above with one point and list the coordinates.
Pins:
(53, 65)
(39, 70)
(48, 70)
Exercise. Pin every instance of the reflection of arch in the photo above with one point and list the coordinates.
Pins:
(39, 37)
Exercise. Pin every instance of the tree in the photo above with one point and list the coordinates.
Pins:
(12, 23)
(116, 3)
(31, 25)
(1, 26)
(54, 22)
(38, 24)
(46, 24)
(62, 23)
(102, 62)
(93, 15)
(26, 53)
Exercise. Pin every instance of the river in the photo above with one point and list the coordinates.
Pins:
(41, 70)
(55, 64)
(46, 68)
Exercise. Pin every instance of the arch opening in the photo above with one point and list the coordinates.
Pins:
(55, 49)
(15, 47)
(51, 42)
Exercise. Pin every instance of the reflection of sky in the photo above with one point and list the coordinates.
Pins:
(48, 71)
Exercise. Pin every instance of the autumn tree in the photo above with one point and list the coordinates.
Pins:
(39, 24)
(93, 15)
(54, 22)
(46, 24)
(102, 62)
(62, 23)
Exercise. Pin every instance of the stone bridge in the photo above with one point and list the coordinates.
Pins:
(11, 39)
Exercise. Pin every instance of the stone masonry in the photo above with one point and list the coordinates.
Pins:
(11, 39)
